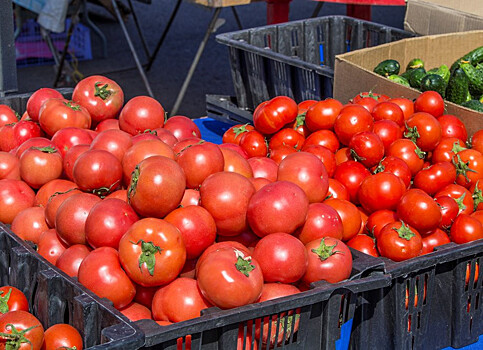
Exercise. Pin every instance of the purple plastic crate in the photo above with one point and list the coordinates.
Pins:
(32, 50)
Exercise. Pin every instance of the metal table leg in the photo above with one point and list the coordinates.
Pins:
(184, 87)
(132, 48)
(143, 40)
(237, 18)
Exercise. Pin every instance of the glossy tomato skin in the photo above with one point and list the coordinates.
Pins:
(406, 105)
(364, 243)
(367, 148)
(116, 142)
(50, 246)
(388, 131)
(135, 312)
(70, 260)
(263, 167)
(325, 138)
(378, 219)
(25, 130)
(9, 166)
(288, 137)
(107, 124)
(272, 115)
(62, 336)
(280, 153)
(407, 150)
(157, 186)
(190, 197)
(396, 166)
(15, 196)
(452, 126)
(281, 257)
(477, 141)
(322, 115)
(229, 278)
(226, 196)
(349, 214)
(322, 221)
(254, 144)
(351, 174)
(12, 299)
(435, 178)
(388, 111)
(381, 191)
(66, 138)
(182, 127)
(29, 224)
(101, 272)
(7, 115)
(326, 157)
(424, 129)
(101, 96)
(469, 165)
(179, 301)
(141, 113)
(152, 252)
(37, 99)
(337, 190)
(220, 246)
(22, 320)
(54, 202)
(449, 210)
(281, 206)
(70, 158)
(7, 139)
(234, 134)
(351, 121)
(447, 149)
(461, 195)
(466, 229)
(329, 259)
(398, 241)
(434, 239)
(419, 210)
(39, 166)
(57, 114)
(430, 102)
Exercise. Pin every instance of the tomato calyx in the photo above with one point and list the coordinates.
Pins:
(356, 157)
(103, 92)
(457, 148)
(72, 105)
(134, 181)
(200, 142)
(243, 263)
(300, 120)
(421, 154)
(325, 251)
(148, 255)
(149, 131)
(460, 203)
(412, 133)
(404, 232)
(102, 192)
(240, 130)
(477, 196)
(462, 168)
(15, 339)
(380, 167)
(46, 149)
(59, 193)
(4, 301)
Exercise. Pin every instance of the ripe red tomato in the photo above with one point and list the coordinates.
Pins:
(15, 196)
(366, 147)
(229, 278)
(116, 142)
(324, 138)
(449, 210)
(378, 219)
(435, 177)
(286, 137)
(24, 323)
(388, 131)
(70, 260)
(477, 141)
(12, 299)
(157, 186)
(57, 114)
(430, 102)
(281, 257)
(397, 167)
(40, 165)
(141, 113)
(398, 241)
(434, 239)
(233, 147)
(351, 174)
(272, 115)
(280, 206)
(101, 272)
(469, 167)
(374, 95)
(280, 153)
(25, 130)
(101, 96)
(364, 243)
(39, 142)
(325, 155)
(419, 210)
(166, 136)
(226, 197)
(51, 187)
(190, 197)
(29, 224)
(263, 167)
(234, 134)
(406, 105)
(220, 246)
(452, 126)
(254, 144)
(107, 124)
(197, 227)
(71, 157)
(9, 166)
(349, 214)
(62, 336)
(179, 301)
(337, 190)
(322, 115)
(368, 103)
(66, 138)
(407, 150)
(329, 260)
(54, 202)
(388, 111)
(466, 229)
(424, 129)
(182, 127)
(447, 148)
(461, 195)
(381, 191)
(7, 115)
(342, 155)
(322, 221)
(351, 121)
(37, 99)
(50, 246)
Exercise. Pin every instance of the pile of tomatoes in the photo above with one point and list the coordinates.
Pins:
(20, 329)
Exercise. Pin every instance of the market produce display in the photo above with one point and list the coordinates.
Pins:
(461, 83)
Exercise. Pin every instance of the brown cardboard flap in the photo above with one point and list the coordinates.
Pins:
(353, 71)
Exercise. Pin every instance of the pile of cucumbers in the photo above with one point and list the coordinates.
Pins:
(462, 83)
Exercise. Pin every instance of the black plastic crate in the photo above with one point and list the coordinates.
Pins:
(18, 102)
(225, 108)
(56, 298)
(429, 305)
(296, 59)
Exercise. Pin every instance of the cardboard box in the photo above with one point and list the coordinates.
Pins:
(354, 70)
(430, 17)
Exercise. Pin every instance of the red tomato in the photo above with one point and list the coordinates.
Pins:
(182, 127)
(272, 115)
(25, 130)
(29, 224)
(166, 136)
(197, 227)
(39, 142)
(229, 278)
(152, 252)
(325, 155)
(247, 238)
(62, 336)
(351, 174)
(280, 153)
(254, 144)
(419, 210)
(329, 260)
(57, 114)
(71, 157)
(398, 241)
(220, 246)
(461, 195)
(116, 142)
(374, 95)
(24, 323)
(226, 197)
(424, 129)
(447, 148)
(388, 131)
(434, 239)
(107, 221)
(410, 153)
(406, 105)
(381, 191)
(282, 258)
(430, 102)
(54, 202)
(51, 187)
(141, 113)
(469, 167)
(349, 214)
(277, 207)
(395, 166)
(70, 260)
(7, 139)
(7, 115)
(135, 312)
(12, 299)
(342, 155)
(388, 111)
(179, 301)
(364, 243)
(157, 186)
(9, 166)
(263, 167)
(351, 121)
(15, 196)
(306, 171)
(101, 96)
(50, 246)
(107, 124)
(324, 138)
(452, 126)
(101, 272)
(66, 138)
(71, 217)
(378, 219)
(299, 124)
(190, 197)
(305, 105)
(435, 178)
(37, 99)
(233, 134)
(322, 221)
(322, 115)
(233, 147)
(286, 137)
(449, 210)
(466, 229)
(337, 190)
(366, 147)
(368, 103)
(40, 165)
(477, 141)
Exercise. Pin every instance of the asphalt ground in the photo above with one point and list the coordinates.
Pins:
(212, 75)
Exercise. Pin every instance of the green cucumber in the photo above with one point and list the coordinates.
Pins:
(473, 104)
(457, 90)
(443, 71)
(475, 76)
(434, 82)
(473, 57)
(416, 76)
(415, 63)
(387, 68)
(399, 79)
